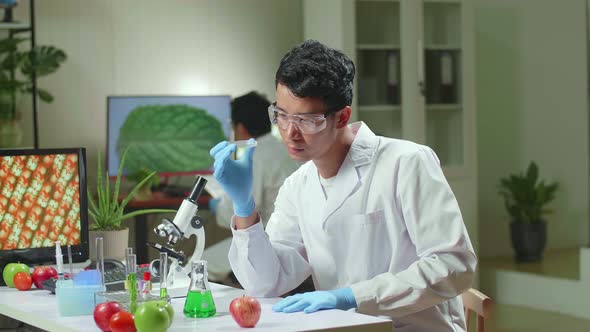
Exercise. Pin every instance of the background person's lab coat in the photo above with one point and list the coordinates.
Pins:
(271, 166)
(390, 229)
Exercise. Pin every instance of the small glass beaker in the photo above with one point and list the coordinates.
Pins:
(199, 300)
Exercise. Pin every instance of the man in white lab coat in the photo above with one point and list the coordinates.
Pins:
(271, 164)
(371, 219)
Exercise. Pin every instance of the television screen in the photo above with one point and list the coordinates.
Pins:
(42, 200)
(171, 135)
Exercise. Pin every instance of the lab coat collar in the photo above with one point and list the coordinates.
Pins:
(365, 144)
(361, 152)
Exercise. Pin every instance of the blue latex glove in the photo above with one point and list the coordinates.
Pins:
(342, 298)
(213, 203)
(235, 176)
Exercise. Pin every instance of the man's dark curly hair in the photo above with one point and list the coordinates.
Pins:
(312, 69)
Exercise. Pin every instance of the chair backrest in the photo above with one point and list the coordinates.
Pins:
(478, 302)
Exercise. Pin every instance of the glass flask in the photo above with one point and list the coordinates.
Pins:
(199, 300)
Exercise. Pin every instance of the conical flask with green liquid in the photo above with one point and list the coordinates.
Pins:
(199, 300)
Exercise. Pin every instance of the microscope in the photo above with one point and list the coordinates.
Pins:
(186, 223)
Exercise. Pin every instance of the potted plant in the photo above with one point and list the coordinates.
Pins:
(525, 198)
(107, 210)
(17, 69)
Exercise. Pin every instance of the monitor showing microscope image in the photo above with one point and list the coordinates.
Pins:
(42, 200)
(171, 135)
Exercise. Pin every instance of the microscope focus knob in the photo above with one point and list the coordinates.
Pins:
(197, 222)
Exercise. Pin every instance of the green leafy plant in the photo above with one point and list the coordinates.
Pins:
(17, 68)
(525, 195)
(106, 209)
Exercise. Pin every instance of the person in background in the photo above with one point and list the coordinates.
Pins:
(272, 164)
(372, 219)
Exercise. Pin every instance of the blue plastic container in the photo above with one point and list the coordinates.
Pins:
(75, 300)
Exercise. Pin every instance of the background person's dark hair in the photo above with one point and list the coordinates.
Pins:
(311, 69)
(251, 110)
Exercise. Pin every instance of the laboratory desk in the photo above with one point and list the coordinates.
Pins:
(39, 308)
(159, 200)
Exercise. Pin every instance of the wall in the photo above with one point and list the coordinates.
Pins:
(532, 105)
(155, 47)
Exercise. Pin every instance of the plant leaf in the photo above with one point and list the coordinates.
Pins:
(169, 138)
(532, 173)
(42, 60)
(147, 211)
(134, 191)
(118, 181)
(44, 95)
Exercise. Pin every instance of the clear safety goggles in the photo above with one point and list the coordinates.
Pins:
(305, 123)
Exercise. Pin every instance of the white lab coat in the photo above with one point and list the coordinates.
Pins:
(391, 229)
(271, 166)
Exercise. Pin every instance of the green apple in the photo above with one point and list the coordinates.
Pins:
(10, 270)
(169, 309)
(153, 316)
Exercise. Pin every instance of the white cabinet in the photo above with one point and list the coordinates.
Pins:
(415, 76)
(415, 69)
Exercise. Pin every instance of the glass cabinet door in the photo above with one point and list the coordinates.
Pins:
(378, 64)
(443, 80)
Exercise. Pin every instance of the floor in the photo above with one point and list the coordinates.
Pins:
(563, 263)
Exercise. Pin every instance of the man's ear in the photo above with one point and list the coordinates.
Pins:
(344, 116)
(240, 132)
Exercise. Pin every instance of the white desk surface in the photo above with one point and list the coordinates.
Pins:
(39, 308)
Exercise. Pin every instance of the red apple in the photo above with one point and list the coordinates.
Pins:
(103, 312)
(245, 310)
(42, 273)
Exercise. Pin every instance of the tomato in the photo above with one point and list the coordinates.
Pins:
(22, 281)
(122, 321)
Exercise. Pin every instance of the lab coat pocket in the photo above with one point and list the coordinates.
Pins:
(362, 246)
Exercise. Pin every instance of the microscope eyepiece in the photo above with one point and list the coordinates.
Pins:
(197, 189)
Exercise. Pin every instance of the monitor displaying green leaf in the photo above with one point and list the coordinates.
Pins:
(168, 134)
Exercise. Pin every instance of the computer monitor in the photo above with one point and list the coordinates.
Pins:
(171, 135)
(43, 199)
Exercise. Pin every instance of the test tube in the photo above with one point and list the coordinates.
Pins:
(59, 261)
(244, 143)
(100, 259)
(128, 252)
(70, 261)
(163, 275)
(131, 281)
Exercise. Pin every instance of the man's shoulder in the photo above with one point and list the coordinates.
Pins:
(394, 148)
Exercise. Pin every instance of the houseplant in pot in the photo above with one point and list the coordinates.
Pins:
(17, 69)
(107, 210)
(525, 197)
